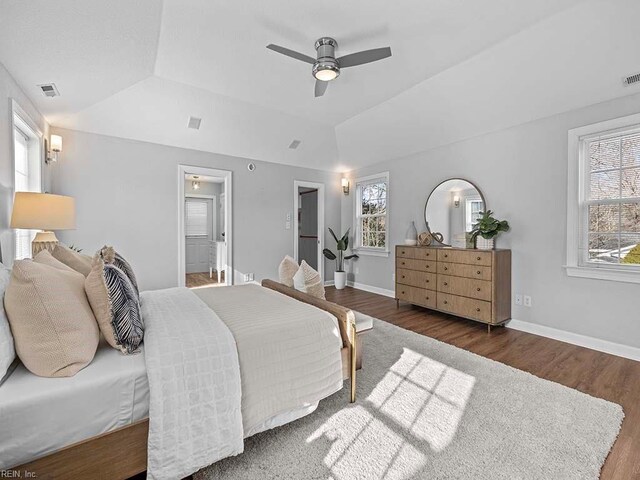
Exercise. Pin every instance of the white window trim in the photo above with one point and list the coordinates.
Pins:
(576, 189)
(369, 251)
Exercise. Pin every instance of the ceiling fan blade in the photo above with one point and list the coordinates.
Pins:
(291, 53)
(366, 56)
(321, 87)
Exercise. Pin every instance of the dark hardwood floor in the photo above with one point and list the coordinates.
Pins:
(595, 373)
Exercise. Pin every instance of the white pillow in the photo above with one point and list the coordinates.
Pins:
(7, 349)
(286, 270)
(307, 280)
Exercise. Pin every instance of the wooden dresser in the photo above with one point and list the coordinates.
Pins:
(474, 284)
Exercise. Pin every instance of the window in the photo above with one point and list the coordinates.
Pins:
(371, 231)
(27, 171)
(196, 218)
(605, 241)
(473, 207)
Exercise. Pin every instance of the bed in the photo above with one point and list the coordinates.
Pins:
(104, 434)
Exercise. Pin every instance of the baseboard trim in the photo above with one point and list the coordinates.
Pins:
(372, 289)
(329, 283)
(605, 346)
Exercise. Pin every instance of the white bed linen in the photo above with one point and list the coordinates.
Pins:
(289, 351)
(41, 415)
(194, 378)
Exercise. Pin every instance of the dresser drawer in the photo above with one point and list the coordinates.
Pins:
(417, 296)
(462, 270)
(467, 287)
(469, 257)
(419, 265)
(405, 252)
(425, 254)
(465, 307)
(416, 279)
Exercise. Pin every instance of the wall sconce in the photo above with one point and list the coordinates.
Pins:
(56, 148)
(345, 186)
(456, 201)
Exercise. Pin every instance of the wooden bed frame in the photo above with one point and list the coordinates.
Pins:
(122, 453)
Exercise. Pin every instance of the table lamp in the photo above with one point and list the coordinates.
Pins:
(46, 212)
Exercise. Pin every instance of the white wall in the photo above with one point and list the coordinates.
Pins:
(9, 90)
(127, 195)
(522, 171)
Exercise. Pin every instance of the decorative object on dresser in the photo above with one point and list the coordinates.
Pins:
(488, 228)
(467, 283)
(452, 208)
(411, 237)
(425, 239)
(340, 276)
(43, 211)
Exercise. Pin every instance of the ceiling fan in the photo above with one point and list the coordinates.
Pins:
(326, 66)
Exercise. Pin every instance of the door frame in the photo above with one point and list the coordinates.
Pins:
(320, 187)
(184, 170)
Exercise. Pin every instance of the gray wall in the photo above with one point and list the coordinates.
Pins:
(9, 90)
(127, 195)
(522, 172)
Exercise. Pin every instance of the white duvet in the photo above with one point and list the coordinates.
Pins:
(226, 363)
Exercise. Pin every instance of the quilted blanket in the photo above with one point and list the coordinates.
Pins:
(194, 379)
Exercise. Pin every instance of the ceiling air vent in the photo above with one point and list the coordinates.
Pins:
(295, 144)
(194, 123)
(631, 79)
(49, 90)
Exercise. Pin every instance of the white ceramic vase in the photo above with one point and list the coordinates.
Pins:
(340, 280)
(485, 243)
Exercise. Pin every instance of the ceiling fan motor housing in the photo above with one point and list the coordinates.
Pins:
(325, 48)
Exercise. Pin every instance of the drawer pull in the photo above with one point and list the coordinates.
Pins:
(427, 281)
(446, 255)
(427, 265)
(476, 288)
(403, 276)
(404, 263)
(403, 292)
(426, 298)
(403, 252)
(477, 309)
(445, 302)
(445, 269)
(445, 284)
(478, 258)
(478, 272)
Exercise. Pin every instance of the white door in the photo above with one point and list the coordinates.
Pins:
(199, 234)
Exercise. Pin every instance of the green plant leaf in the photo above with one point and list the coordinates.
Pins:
(349, 257)
(329, 254)
(333, 235)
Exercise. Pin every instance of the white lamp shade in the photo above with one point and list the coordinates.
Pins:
(43, 211)
(56, 143)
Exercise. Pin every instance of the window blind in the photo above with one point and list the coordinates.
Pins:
(196, 218)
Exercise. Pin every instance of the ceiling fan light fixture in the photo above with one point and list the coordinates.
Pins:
(326, 73)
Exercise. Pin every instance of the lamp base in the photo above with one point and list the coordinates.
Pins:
(43, 241)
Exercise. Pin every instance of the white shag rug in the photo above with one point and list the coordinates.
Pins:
(429, 410)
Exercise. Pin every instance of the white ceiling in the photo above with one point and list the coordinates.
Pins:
(459, 68)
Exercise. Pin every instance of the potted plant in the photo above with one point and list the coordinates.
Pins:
(340, 276)
(488, 227)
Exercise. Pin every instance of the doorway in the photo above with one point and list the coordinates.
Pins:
(204, 227)
(308, 225)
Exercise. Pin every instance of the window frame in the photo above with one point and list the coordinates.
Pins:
(357, 216)
(24, 124)
(577, 264)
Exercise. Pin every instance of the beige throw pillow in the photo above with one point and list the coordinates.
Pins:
(54, 330)
(44, 257)
(307, 280)
(79, 262)
(286, 270)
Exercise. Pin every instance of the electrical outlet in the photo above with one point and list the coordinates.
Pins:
(287, 225)
(518, 299)
(527, 301)
(248, 277)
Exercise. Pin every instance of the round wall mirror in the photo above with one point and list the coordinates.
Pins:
(453, 207)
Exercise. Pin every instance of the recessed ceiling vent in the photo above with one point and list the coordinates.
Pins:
(631, 79)
(49, 90)
(194, 123)
(295, 144)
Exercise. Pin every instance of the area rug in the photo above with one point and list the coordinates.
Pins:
(429, 410)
